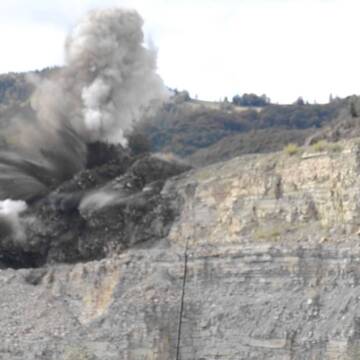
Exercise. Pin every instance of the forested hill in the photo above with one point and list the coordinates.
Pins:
(16, 88)
(206, 132)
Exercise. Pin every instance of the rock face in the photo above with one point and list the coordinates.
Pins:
(261, 260)
(95, 215)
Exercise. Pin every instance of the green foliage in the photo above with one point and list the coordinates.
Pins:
(255, 141)
(297, 116)
(291, 149)
(187, 128)
(205, 131)
(13, 88)
(336, 147)
(319, 146)
(323, 145)
(183, 129)
(268, 233)
(78, 353)
(299, 101)
(250, 100)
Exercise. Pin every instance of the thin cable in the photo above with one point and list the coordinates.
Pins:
(190, 190)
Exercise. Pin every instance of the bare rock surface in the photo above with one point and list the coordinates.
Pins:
(101, 211)
(260, 260)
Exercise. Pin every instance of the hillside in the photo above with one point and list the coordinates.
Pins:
(139, 257)
(16, 88)
(250, 142)
(188, 266)
(204, 132)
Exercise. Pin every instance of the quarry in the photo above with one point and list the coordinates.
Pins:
(137, 223)
(253, 259)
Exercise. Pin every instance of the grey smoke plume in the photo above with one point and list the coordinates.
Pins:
(9, 217)
(109, 79)
(108, 82)
(97, 200)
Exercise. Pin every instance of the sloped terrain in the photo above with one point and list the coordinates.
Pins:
(200, 131)
(101, 211)
(253, 142)
(207, 132)
(259, 261)
(138, 257)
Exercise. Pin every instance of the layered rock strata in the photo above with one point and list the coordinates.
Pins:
(260, 261)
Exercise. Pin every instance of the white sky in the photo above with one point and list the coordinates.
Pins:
(213, 48)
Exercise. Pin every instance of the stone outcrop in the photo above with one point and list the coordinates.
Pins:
(260, 261)
(95, 215)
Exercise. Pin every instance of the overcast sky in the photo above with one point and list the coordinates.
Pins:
(213, 48)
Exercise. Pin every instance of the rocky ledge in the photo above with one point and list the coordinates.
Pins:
(260, 259)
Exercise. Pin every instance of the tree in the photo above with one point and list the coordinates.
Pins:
(250, 100)
(300, 101)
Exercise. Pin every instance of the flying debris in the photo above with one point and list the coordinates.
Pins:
(108, 82)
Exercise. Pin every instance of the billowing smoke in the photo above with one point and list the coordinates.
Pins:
(97, 200)
(9, 218)
(109, 80)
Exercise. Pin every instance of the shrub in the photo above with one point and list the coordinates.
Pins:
(335, 147)
(291, 149)
(323, 145)
(268, 233)
(78, 353)
(320, 145)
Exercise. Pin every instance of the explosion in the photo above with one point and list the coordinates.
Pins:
(68, 189)
(108, 82)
